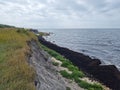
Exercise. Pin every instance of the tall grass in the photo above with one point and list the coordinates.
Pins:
(15, 73)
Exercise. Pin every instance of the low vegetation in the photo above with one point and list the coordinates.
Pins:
(68, 88)
(6, 26)
(44, 34)
(55, 63)
(65, 74)
(76, 73)
(88, 86)
(15, 73)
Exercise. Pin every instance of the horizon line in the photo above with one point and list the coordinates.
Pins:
(78, 28)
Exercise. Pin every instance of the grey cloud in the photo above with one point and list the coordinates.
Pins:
(57, 12)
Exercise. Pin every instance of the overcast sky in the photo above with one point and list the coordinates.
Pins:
(61, 13)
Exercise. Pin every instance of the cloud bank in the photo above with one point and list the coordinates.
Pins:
(61, 13)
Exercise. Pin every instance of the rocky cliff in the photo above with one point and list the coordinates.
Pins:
(46, 76)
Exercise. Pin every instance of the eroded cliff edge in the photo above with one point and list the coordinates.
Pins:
(47, 77)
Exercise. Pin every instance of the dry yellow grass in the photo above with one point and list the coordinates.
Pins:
(15, 72)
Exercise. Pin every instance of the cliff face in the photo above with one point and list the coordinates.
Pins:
(46, 76)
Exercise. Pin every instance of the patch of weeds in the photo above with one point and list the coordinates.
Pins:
(77, 73)
(87, 85)
(22, 30)
(68, 88)
(55, 63)
(65, 74)
(61, 58)
(65, 63)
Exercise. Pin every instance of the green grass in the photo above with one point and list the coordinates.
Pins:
(65, 74)
(87, 85)
(76, 73)
(75, 76)
(15, 73)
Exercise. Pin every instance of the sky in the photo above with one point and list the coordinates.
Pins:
(61, 13)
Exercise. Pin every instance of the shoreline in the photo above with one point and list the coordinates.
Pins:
(107, 53)
(107, 74)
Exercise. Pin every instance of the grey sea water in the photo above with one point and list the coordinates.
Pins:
(103, 44)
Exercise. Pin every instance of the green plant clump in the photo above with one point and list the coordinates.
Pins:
(68, 88)
(55, 63)
(22, 30)
(65, 74)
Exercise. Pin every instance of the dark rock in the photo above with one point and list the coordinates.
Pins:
(34, 31)
(35, 83)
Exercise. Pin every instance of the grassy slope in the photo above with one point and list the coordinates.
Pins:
(15, 73)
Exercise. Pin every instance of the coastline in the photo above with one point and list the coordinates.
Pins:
(107, 74)
(96, 44)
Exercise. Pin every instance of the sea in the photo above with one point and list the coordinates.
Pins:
(103, 44)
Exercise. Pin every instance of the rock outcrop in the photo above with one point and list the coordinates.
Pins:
(107, 74)
(46, 76)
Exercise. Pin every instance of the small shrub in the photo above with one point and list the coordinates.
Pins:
(72, 67)
(65, 63)
(65, 74)
(53, 54)
(84, 84)
(77, 80)
(55, 63)
(68, 88)
(77, 73)
(58, 57)
(22, 30)
(89, 86)
(97, 87)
